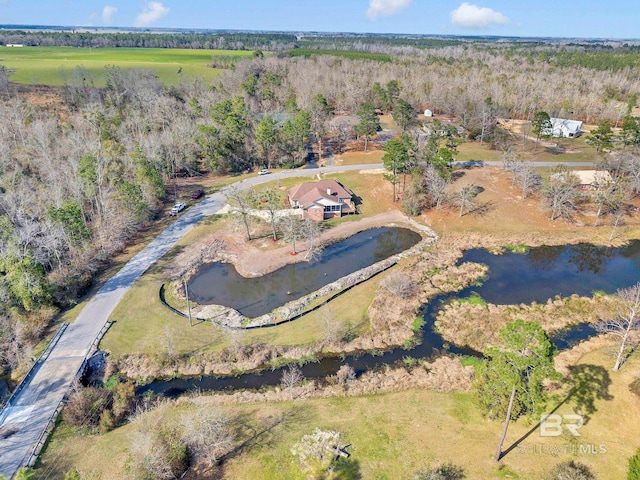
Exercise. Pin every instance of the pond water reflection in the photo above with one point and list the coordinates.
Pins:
(220, 283)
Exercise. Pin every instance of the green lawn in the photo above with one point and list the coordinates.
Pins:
(51, 65)
(393, 435)
(575, 150)
(142, 324)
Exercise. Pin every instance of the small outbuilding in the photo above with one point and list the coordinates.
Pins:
(428, 113)
(592, 179)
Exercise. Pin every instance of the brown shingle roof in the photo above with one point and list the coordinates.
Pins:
(308, 192)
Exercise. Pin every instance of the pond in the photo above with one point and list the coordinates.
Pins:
(513, 278)
(221, 284)
(547, 271)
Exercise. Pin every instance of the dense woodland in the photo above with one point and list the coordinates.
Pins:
(221, 41)
(76, 185)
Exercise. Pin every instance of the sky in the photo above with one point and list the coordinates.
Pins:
(584, 19)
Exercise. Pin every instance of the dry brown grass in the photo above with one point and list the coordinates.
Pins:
(504, 219)
(477, 326)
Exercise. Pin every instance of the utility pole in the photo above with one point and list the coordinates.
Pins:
(186, 293)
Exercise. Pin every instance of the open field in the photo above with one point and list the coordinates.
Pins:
(571, 150)
(501, 214)
(55, 65)
(359, 157)
(395, 434)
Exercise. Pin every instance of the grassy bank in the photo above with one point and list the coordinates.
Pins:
(394, 435)
(55, 65)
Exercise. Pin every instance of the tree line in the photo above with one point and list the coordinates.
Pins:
(219, 41)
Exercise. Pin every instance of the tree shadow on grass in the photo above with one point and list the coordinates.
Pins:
(587, 383)
(346, 469)
(264, 433)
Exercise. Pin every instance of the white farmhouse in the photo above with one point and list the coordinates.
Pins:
(561, 127)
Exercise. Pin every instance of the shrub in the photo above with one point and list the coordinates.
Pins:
(157, 453)
(635, 386)
(399, 284)
(315, 452)
(570, 470)
(85, 405)
(417, 324)
(634, 467)
(208, 434)
(448, 471)
(519, 249)
(474, 299)
(345, 374)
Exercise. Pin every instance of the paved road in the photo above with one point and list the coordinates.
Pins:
(23, 422)
(498, 163)
(25, 419)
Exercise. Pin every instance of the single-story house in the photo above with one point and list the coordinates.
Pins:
(563, 128)
(322, 199)
(592, 179)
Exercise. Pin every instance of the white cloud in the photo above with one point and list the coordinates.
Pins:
(385, 7)
(152, 12)
(107, 13)
(472, 16)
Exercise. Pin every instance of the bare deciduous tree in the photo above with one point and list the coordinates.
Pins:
(527, 177)
(630, 167)
(464, 196)
(243, 200)
(560, 193)
(208, 433)
(291, 377)
(608, 198)
(311, 232)
(625, 323)
(435, 186)
(270, 200)
(615, 221)
(509, 158)
(292, 228)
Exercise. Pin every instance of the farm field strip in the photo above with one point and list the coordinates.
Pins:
(54, 65)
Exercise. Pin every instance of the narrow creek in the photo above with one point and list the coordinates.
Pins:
(513, 278)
